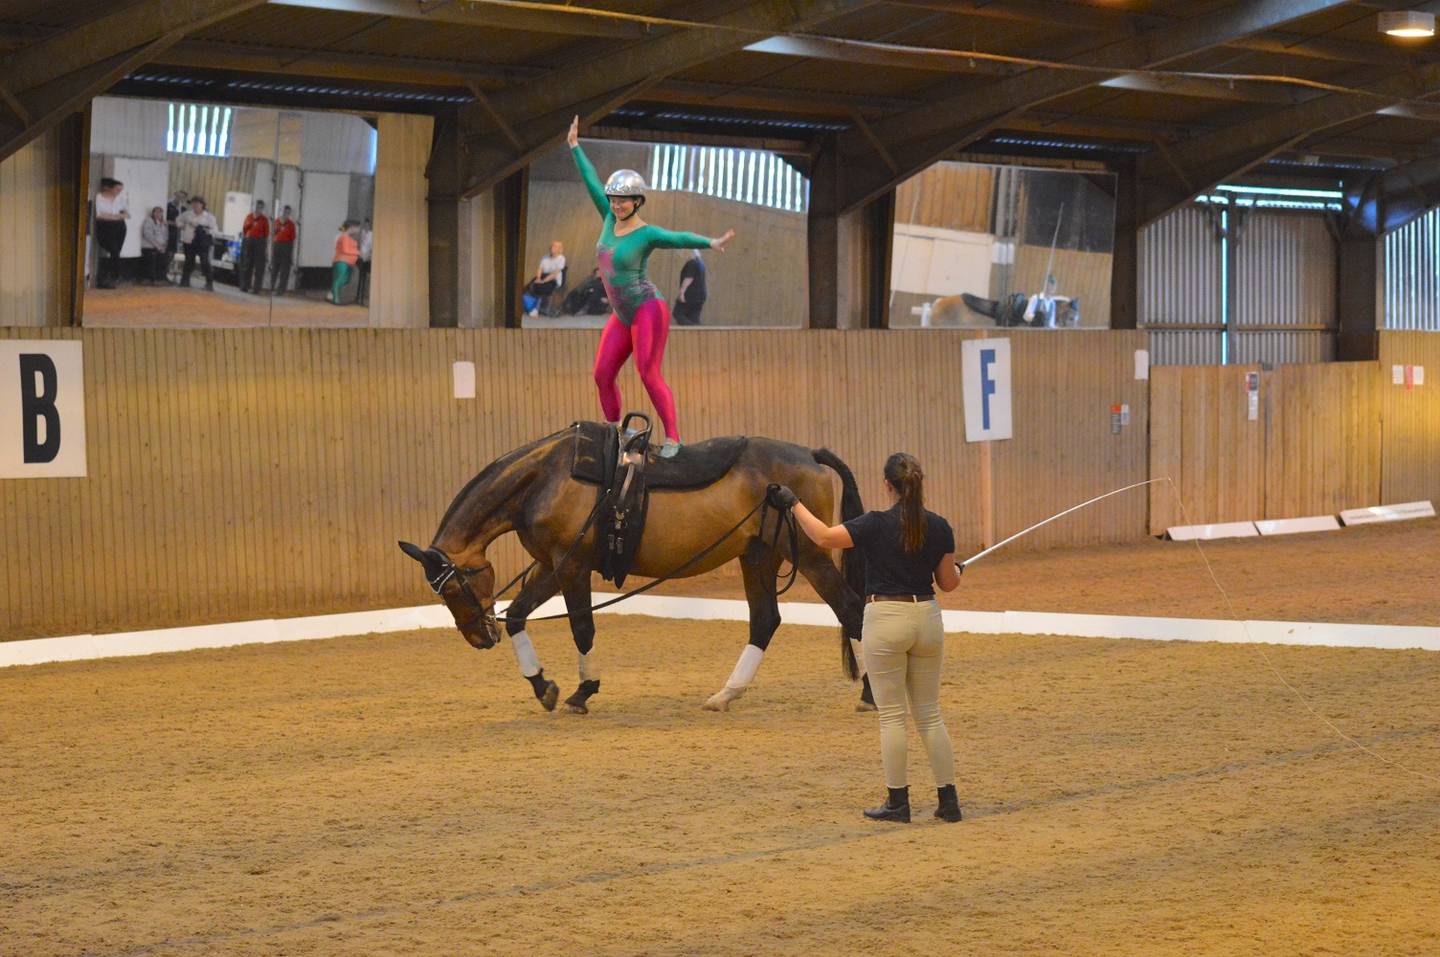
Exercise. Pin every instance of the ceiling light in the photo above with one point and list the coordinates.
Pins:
(1407, 23)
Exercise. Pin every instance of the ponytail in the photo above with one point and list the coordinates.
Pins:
(903, 473)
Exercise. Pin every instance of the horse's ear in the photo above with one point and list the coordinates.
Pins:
(414, 551)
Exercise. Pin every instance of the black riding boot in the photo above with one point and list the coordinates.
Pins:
(949, 809)
(896, 807)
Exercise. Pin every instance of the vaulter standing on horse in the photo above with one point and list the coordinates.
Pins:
(641, 320)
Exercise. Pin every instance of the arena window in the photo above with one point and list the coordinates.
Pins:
(198, 129)
(758, 177)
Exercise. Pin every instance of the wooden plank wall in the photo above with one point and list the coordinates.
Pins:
(1323, 447)
(1202, 439)
(948, 196)
(237, 474)
(1410, 464)
(1314, 450)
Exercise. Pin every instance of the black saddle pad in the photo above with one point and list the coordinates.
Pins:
(696, 466)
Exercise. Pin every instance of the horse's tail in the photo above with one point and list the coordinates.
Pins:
(852, 562)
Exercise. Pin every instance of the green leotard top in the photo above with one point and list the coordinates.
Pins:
(622, 259)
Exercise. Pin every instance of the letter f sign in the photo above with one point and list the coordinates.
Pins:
(985, 377)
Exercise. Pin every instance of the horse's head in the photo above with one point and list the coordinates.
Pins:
(467, 591)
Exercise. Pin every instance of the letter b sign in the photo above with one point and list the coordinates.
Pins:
(42, 409)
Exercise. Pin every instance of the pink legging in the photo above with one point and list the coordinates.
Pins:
(645, 336)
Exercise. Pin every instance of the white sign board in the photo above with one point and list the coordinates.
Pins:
(42, 409)
(985, 377)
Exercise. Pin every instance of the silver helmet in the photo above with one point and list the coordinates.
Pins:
(625, 182)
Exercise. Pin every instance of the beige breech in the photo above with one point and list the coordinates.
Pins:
(904, 648)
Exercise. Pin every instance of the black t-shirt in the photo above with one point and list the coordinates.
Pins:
(889, 569)
(694, 270)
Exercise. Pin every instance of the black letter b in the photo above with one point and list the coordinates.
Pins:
(36, 406)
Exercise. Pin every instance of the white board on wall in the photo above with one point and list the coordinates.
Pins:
(147, 184)
(324, 204)
(941, 262)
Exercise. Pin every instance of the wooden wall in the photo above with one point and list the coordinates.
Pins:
(1314, 450)
(37, 234)
(1410, 464)
(949, 196)
(248, 473)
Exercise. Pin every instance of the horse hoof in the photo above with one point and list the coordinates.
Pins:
(720, 700)
(574, 708)
(864, 706)
(552, 695)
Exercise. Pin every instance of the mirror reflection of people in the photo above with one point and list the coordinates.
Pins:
(641, 320)
(691, 298)
(547, 279)
(254, 237)
(347, 254)
(112, 209)
(282, 249)
(197, 235)
(154, 240)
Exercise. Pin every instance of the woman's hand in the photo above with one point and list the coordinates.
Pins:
(718, 244)
(573, 136)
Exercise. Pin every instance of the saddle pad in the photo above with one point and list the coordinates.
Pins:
(695, 467)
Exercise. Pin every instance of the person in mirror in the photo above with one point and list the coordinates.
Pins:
(254, 237)
(154, 240)
(367, 247)
(547, 279)
(282, 251)
(197, 235)
(112, 209)
(691, 298)
(640, 322)
(909, 552)
(347, 254)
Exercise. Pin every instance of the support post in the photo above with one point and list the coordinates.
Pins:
(879, 254)
(823, 238)
(443, 201)
(510, 200)
(1125, 260)
(1360, 297)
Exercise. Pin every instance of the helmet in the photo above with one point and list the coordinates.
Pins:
(625, 182)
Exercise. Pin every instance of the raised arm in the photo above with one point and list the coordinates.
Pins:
(587, 170)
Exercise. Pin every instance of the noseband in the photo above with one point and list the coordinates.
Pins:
(449, 571)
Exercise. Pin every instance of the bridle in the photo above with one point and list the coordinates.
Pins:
(449, 572)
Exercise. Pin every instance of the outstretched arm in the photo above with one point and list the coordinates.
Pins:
(587, 170)
(665, 239)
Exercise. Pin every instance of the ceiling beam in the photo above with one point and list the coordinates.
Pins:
(1176, 174)
(841, 51)
(539, 110)
(960, 114)
(57, 75)
(528, 20)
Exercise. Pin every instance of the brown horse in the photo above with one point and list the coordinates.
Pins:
(530, 492)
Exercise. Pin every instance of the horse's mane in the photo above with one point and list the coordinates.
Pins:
(490, 471)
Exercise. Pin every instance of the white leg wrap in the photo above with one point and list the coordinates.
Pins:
(859, 650)
(746, 667)
(525, 655)
(589, 670)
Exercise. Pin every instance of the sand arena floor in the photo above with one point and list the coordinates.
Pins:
(404, 794)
